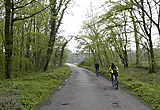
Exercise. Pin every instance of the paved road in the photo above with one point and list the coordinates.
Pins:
(85, 91)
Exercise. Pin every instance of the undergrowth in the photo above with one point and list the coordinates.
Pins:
(29, 90)
(138, 82)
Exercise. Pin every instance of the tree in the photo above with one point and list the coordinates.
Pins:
(117, 31)
(141, 14)
(147, 25)
(131, 11)
(8, 40)
(62, 50)
(57, 12)
(147, 10)
(25, 36)
(13, 11)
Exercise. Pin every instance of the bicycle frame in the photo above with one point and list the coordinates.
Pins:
(97, 72)
(115, 81)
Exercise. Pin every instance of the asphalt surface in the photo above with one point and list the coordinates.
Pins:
(85, 91)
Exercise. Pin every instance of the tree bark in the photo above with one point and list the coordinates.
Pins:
(148, 33)
(55, 23)
(62, 52)
(52, 35)
(135, 35)
(8, 40)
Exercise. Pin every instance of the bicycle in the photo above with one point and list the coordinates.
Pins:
(115, 81)
(97, 72)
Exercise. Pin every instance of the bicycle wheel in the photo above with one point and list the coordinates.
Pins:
(116, 85)
(114, 81)
(97, 73)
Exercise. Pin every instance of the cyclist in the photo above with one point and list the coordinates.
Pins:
(96, 65)
(113, 70)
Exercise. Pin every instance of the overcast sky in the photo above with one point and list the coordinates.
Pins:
(73, 19)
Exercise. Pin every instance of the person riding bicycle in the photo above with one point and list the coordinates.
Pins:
(113, 70)
(96, 65)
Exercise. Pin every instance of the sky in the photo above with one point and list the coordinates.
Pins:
(74, 17)
(76, 14)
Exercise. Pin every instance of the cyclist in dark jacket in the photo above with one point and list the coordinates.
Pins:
(96, 65)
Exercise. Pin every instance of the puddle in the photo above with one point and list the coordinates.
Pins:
(69, 83)
(115, 105)
(65, 104)
(105, 89)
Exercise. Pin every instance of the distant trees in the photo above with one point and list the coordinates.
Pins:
(25, 42)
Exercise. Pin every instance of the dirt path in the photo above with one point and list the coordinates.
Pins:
(85, 91)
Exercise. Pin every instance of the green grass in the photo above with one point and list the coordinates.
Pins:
(144, 85)
(28, 91)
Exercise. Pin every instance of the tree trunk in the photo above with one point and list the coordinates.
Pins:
(135, 36)
(55, 25)
(52, 35)
(55, 56)
(28, 50)
(147, 29)
(126, 41)
(152, 60)
(21, 50)
(62, 51)
(159, 19)
(50, 45)
(64, 45)
(8, 40)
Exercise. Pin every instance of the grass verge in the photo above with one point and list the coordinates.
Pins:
(138, 83)
(27, 92)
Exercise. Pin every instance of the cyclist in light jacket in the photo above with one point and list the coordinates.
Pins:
(113, 70)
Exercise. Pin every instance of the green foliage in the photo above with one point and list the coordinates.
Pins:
(30, 36)
(31, 89)
(148, 92)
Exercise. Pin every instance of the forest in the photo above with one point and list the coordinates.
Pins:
(126, 33)
(29, 39)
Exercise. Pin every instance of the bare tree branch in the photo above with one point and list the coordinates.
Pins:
(23, 5)
(16, 19)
